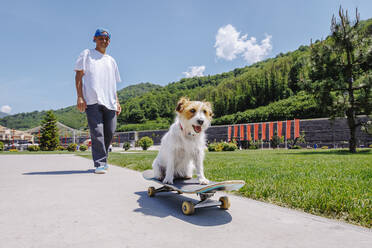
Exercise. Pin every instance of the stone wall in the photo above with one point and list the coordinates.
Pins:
(322, 132)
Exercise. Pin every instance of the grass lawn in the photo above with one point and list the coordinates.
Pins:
(45, 152)
(331, 183)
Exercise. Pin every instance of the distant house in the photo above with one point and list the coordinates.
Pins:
(7, 136)
(66, 134)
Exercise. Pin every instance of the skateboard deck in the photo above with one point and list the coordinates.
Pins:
(192, 186)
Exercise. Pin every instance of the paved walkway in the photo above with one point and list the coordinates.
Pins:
(56, 201)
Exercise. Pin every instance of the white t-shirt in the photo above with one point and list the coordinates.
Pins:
(100, 77)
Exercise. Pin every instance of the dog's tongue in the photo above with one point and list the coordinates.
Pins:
(197, 129)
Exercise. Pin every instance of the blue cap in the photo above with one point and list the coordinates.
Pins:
(102, 32)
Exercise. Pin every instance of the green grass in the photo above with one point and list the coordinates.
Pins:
(43, 152)
(331, 183)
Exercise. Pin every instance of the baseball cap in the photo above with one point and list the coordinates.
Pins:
(102, 32)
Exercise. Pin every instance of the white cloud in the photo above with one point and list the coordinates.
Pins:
(194, 71)
(230, 44)
(6, 109)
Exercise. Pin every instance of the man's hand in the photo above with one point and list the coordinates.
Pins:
(118, 109)
(81, 104)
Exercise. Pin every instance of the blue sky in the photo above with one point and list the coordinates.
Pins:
(158, 41)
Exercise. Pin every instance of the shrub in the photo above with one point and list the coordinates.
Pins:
(275, 141)
(126, 146)
(222, 146)
(324, 147)
(370, 146)
(219, 147)
(229, 146)
(13, 150)
(212, 147)
(33, 148)
(145, 142)
(1, 146)
(252, 147)
(72, 147)
(61, 148)
(83, 148)
(244, 144)
(296, 147)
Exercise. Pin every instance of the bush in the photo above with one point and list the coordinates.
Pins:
(222, 146)
(253, 146)
(296, 147)
(83, 148)
(13, 150)
(324, 147)
(72, 147)
(33, 148)
(145, 142)
(229, 146)
(212, 147)
(126, 146)
(275, 141)
(60, 148)
(370, 146)
(1, 146)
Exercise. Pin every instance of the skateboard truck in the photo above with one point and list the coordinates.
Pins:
(188, 207)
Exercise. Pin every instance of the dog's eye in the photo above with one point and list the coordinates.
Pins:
(205, 111)
(192, 110)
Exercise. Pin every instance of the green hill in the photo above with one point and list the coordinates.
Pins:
(70, 116)
(266, 90)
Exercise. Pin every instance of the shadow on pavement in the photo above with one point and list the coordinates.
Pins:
(69, 172)
(169, 204)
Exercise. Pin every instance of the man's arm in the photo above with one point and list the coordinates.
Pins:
(118, 109)
(81, 104)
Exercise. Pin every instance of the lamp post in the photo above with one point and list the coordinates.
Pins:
(13, 139)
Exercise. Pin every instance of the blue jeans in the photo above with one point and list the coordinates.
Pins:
(102, 125)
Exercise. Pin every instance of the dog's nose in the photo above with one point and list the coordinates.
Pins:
(200, 122)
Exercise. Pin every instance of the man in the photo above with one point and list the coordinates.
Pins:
(96, 77)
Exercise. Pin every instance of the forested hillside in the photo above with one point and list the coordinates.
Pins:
(277, 88)
(243, 89)
(70, 116)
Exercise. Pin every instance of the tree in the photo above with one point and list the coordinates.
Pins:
(341, 72)
(49, 139)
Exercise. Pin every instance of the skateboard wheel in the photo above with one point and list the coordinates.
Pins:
(188, 208)
(151, 191)
(225, 202)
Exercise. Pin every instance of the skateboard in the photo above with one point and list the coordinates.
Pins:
(192, 186)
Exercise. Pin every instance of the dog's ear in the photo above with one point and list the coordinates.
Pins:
(181, 104)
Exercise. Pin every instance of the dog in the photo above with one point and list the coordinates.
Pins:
(183, 146)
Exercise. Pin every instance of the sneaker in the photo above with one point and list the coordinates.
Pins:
(100, 170)
(106, 167)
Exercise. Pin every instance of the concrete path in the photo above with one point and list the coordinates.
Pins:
(56, 201)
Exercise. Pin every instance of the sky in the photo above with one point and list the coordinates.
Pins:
(156, 41)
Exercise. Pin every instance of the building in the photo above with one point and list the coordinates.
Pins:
(12, 136)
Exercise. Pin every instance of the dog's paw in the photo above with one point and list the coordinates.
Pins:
(168, 180)
(203, 181)
(160, 178)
